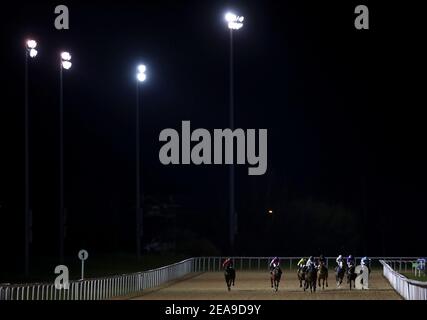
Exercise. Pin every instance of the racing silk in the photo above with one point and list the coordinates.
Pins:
(350, 261)
(227, 263)
(364, 261)
(310, 264)
(339, 262)
(301, 263)
(275, 262)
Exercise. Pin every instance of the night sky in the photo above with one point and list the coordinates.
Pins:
(344, 109)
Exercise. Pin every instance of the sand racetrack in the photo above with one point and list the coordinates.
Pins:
(256, 285)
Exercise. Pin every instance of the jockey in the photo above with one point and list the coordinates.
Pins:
(365, 262)
(339, 262)
(274, 263)
(228, 263)
(301, 263)
(310, 263)
(350, 261)
(322, 260)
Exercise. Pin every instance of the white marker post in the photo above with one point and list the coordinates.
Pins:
(83, 255)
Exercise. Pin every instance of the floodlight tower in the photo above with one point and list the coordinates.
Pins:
(65, 63)
(234, 23)
(30, 51)
(140, 78)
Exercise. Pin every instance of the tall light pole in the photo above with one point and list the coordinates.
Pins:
(31, 52)
(234, 23)
(139, 214)
(65, 64)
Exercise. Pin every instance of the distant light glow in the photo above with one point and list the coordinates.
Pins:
(31, 44)
(66, 64)
(270, 211)
(234, 22)
(66, 56)
(33, 53)
(141, 76)
(229, 17)
(142, 68)
(235, 25)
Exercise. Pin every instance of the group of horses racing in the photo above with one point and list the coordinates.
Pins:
(309, 276)
(317, 276)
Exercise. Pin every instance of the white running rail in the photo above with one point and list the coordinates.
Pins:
(99, 288)
(408, 289)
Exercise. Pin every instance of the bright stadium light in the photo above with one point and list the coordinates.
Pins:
(33, 53)
(66, 56)
(66, 65)
(65, 60)
(142, 68)
(234, 22)
(141, 76)
(31, 48)
(31, 44)
(229, 17)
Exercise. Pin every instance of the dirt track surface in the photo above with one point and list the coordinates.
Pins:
(256, 285)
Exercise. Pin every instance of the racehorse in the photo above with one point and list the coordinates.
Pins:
(275, 276)
(301, 275)
(311, 279)
(339, 274)
(322, 274)
(230, 276)
(351, 275)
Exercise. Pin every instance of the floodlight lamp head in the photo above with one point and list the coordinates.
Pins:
(33, 53)
(66, 56)
(234, 22)
(66, 65)
(229, 17)
(141, 77)
(142, 68)
(31, 44)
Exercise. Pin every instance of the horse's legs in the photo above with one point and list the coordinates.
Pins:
(228, 282)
